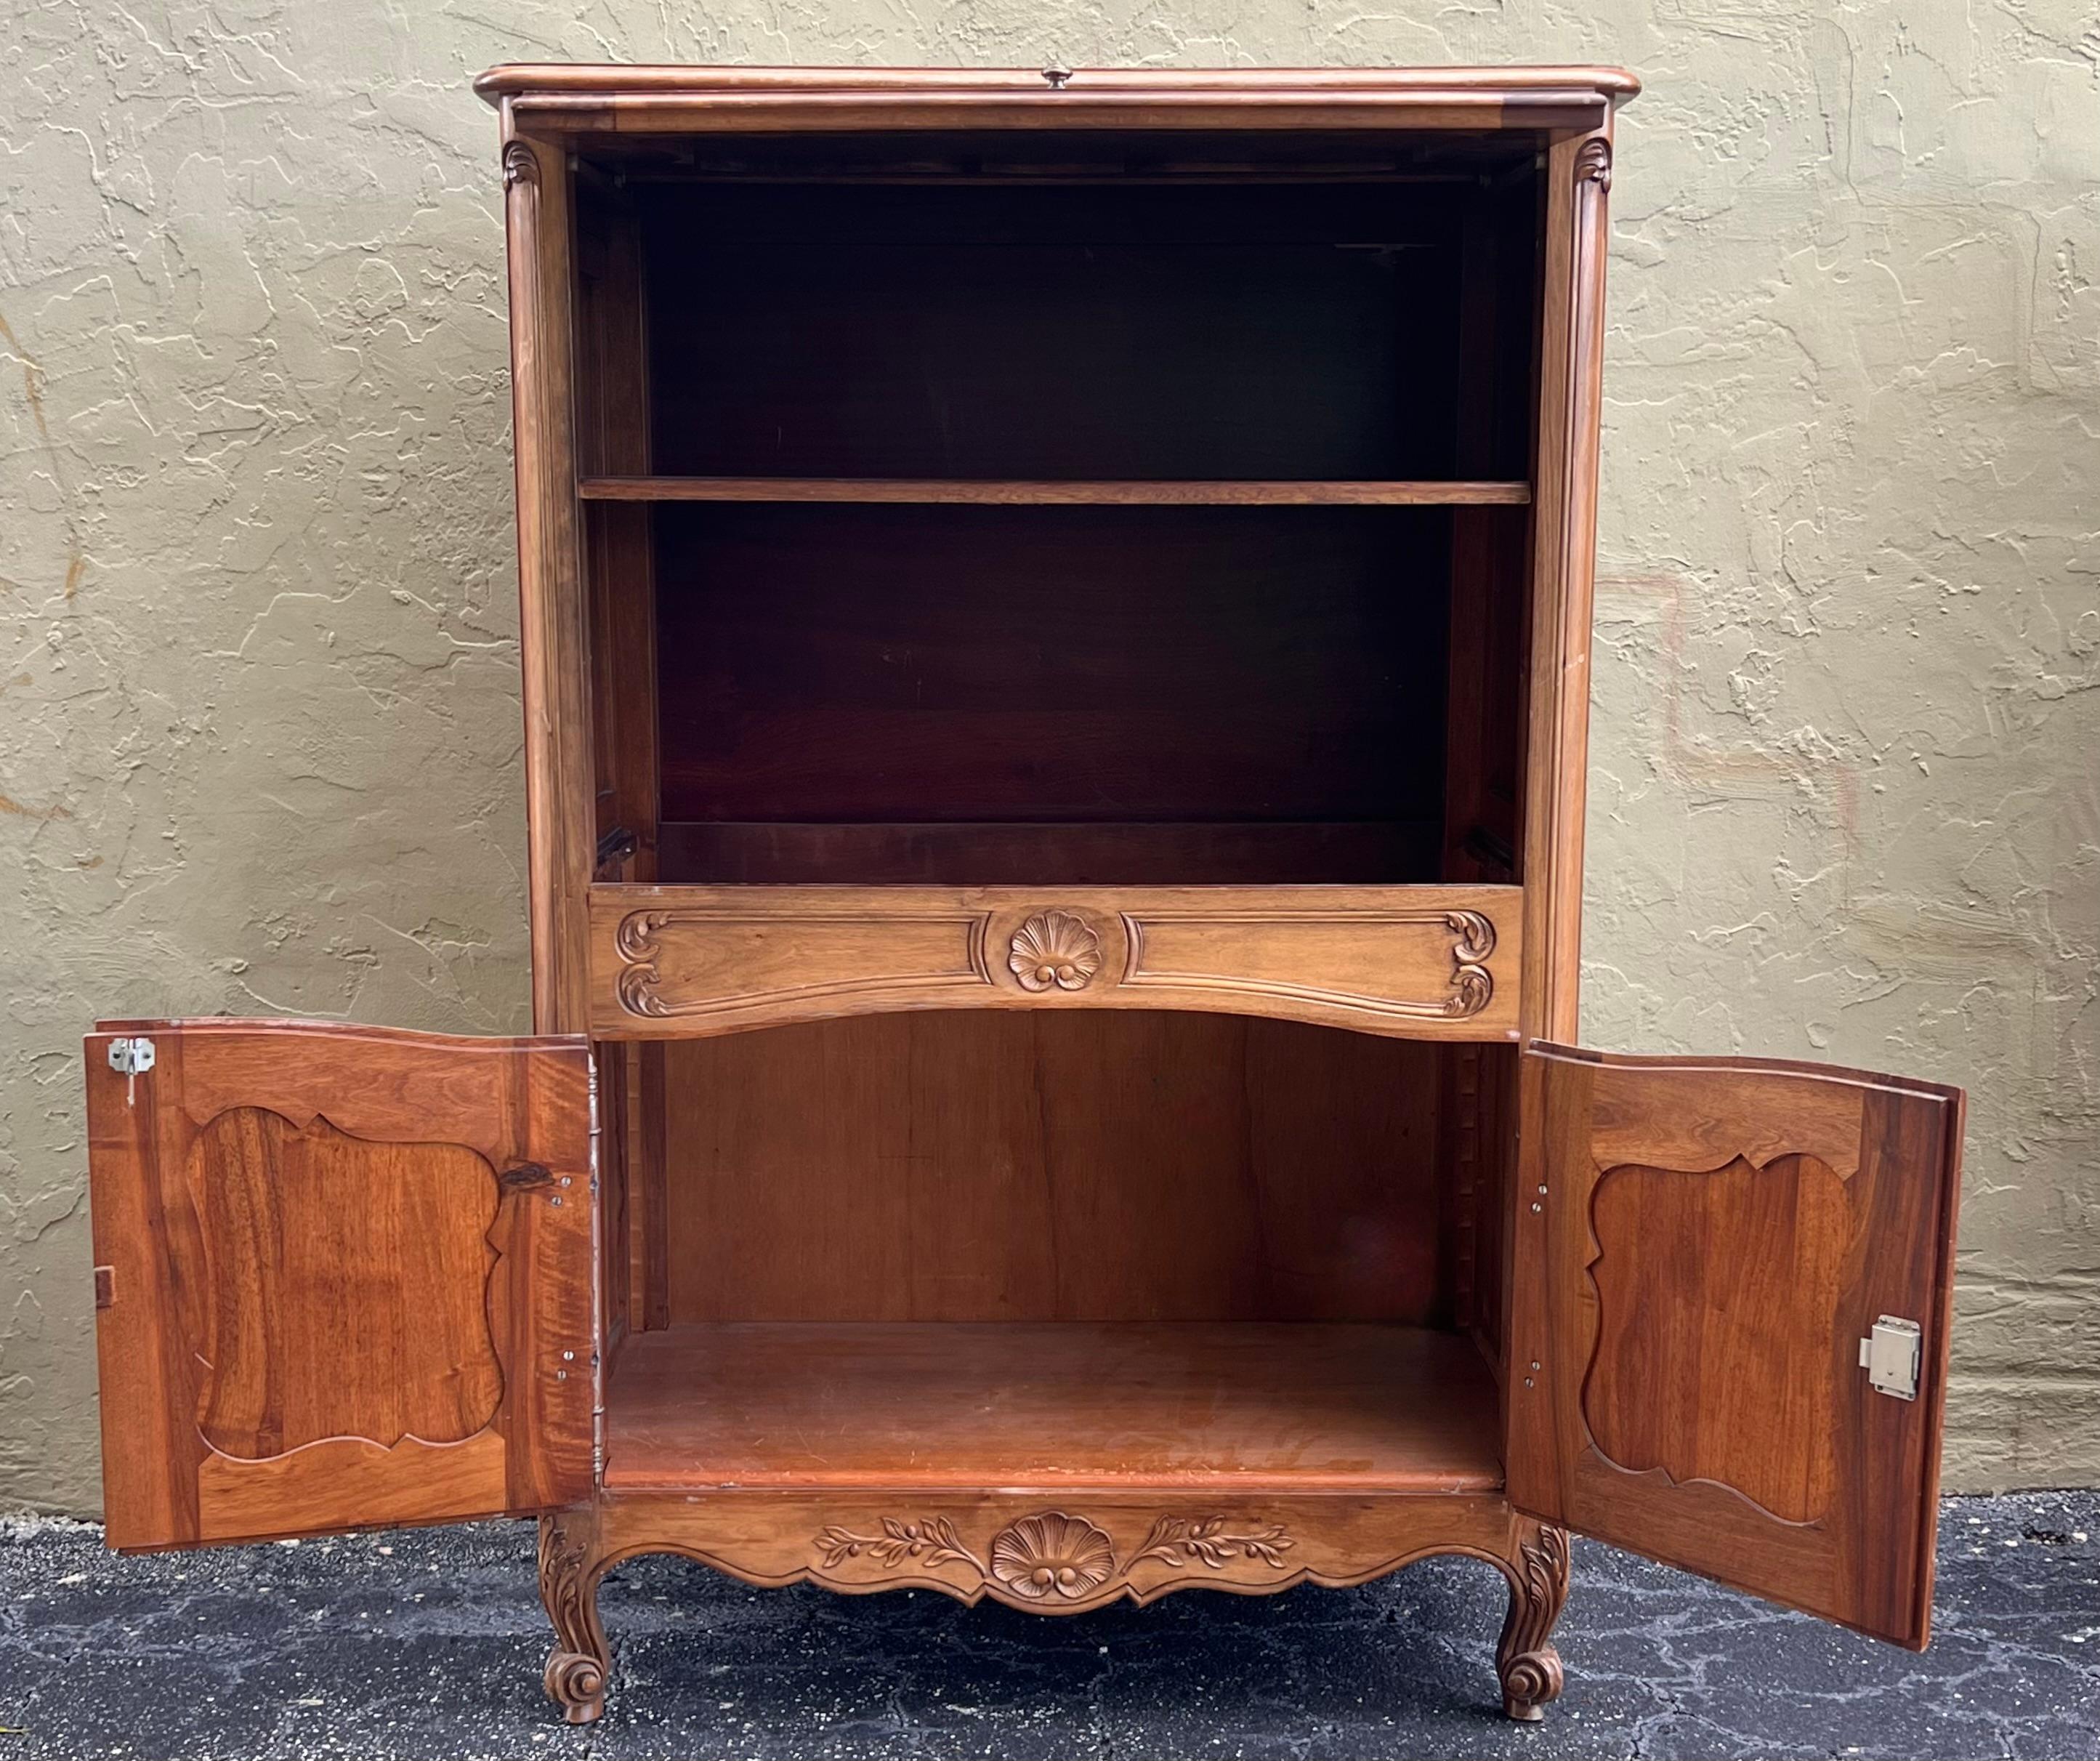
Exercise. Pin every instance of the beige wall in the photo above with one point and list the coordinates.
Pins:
(258, 723)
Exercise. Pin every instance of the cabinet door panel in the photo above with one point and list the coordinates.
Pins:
(1701, 1247)
(343, 1278)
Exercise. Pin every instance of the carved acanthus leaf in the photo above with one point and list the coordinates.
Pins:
(1472, 986)
(635, 942)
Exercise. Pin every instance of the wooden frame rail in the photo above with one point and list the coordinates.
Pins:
(1430, 962)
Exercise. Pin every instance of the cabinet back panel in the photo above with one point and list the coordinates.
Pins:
(1257, 331)
(1076, 665)
(980, 1167)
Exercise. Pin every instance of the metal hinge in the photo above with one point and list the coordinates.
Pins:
(131, 1059)
(1891, 1356)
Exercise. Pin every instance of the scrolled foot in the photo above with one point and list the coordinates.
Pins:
(1529, 1680)
(569, 1569)
(577, 1684)
(1525, 1660)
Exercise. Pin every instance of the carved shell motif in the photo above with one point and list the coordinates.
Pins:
(1054, 947)
(1052, 1555)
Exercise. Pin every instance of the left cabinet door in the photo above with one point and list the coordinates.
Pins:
(343, 1278)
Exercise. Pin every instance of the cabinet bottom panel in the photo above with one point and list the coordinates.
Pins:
(1052, 1407)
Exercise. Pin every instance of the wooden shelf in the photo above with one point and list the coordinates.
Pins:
(1008, 493)
(1293, 1406)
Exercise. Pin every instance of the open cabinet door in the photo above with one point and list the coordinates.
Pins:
(1706, 1254)
(343, 1277)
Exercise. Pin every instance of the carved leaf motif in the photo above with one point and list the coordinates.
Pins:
(932, 1542)
(1054, 947)
(1178, 1541)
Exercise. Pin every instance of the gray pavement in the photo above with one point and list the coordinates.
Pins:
(428, 1644)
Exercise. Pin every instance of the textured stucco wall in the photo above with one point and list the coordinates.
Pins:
(258, 732)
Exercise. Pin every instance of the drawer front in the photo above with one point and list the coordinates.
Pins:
(1433, 962)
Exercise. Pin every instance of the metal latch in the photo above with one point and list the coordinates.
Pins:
(131, 1059)
(1891, 1355)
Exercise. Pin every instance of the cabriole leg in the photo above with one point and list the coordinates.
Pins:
(579, 1665)
(1525, 1660)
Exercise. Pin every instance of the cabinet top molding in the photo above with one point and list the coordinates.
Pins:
(564, 97)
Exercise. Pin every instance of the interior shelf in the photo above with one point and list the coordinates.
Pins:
(1290, 1405)
(1060, 493)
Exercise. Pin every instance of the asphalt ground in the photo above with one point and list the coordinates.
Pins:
(428, 1644)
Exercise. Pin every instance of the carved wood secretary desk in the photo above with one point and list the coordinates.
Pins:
(1056, 620)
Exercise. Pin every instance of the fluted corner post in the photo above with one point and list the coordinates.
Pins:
(559, 787)
(1578, 169)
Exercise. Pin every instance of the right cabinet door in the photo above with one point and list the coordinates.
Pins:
(1730, 1286)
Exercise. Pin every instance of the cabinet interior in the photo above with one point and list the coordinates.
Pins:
(1272, 1248)
(1059, 515)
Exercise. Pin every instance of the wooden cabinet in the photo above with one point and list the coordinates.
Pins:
(1056, 619)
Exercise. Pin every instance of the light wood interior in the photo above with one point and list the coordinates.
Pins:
(1144, 1166)
(787, 1406)
(1142, 1244)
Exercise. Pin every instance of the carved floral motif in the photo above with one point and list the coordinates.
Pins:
(1054, 947)
(1054, 1557)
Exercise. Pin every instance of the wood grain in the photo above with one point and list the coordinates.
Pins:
(1691, 1289)
(1563, 572)
(553, 623)
(314, 1231)
(957, 1406)
(1125, 1166)
(955, 84)
(346, 1286)
(607, 102)
(1432, 962)
(1757, 1256)
(1180, 492)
